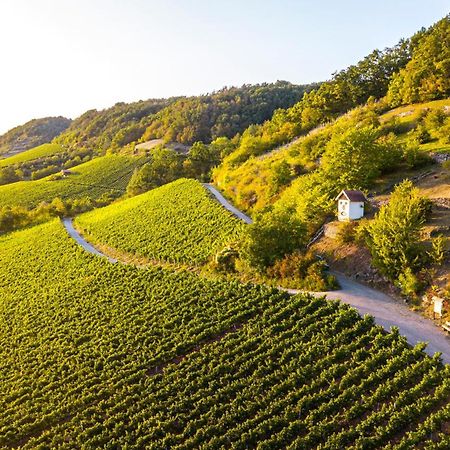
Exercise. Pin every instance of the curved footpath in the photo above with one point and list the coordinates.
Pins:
(387, 311)
(68, 225)
(226, 204)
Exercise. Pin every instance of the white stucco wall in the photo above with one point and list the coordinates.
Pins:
(350, 210)
(356, 210)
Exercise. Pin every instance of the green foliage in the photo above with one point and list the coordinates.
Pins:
(393, 236)
(201, 158)
(31, 134)
(111, 128)
(357, 157)
(367, 80)
(281, 176)
(414, 157)
(226, 259)
(42, 151)
(271, 237)
(408, 282)
(427, 76)
(223, 113)
(347, 232)
(164, 165)
(178, 222)
(302, 271)
(16, 217)
(97, 354)
(438, 250)
(103, 175)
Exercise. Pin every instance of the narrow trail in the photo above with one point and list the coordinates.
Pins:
(226, 204)
(386, 311)
(68, 225)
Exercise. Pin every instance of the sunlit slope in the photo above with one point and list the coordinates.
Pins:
(178, 222)
(34, 153)
(103, 175)
(94, 354)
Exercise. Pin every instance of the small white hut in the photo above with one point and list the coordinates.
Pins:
(350, 205)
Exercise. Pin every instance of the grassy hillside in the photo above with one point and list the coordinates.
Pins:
(103, 175)
(178, 222)
(94, 354)
(31, 134)
(261, 180)
(40, 151)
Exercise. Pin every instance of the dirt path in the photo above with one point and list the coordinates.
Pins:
(388, 313)
(68, 225)
(226, 204)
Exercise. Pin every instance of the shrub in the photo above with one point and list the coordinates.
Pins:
(347, 232)
(226, 259)
(408, 282)
(272, 236)
(302, 271)
(437, 253)
(394, 234)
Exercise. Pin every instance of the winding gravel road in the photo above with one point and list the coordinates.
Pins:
(386, 311)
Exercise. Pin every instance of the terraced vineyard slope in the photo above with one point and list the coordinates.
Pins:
(179, 222)
(32, 154)
(100, 355)
(103, 175)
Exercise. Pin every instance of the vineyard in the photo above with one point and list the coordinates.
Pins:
(34, 153)
(103, 175)
(99, 355)
(178, 222)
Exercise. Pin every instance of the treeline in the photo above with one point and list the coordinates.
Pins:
(33, 133)
(111, 128)
(16, 217)
(223, 113)
(416, 69)
(427, 75)
(347, 89)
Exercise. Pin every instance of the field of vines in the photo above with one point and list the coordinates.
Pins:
(99, 355)
(103, 175)
(179, 222)
(32, 154)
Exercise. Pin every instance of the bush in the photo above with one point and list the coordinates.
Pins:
(415, 158)
(272, 236)
(394, 234)
(347, 232)
(226, 259)
(302, 271)
(408, 283)
(437, 253)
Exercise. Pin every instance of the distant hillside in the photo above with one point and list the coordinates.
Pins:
(415, 69)
(103, 176)
(111, 128)
(183, 120)
(31, 134)
(223, 113)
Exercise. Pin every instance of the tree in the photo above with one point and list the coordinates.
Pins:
(427, 76)
(272, 236)
(165, 165)
(357, 157)
(200, 160)
(393, 235)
